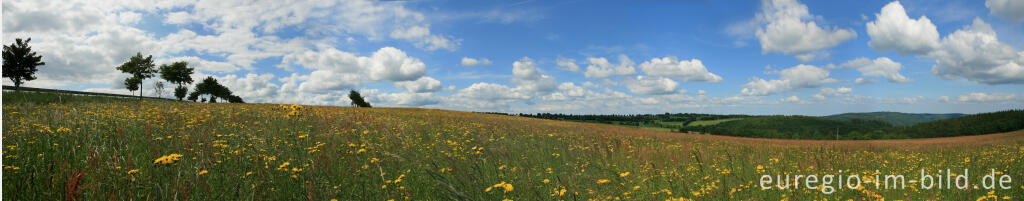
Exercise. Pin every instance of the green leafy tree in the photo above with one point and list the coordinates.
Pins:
(20, 62)
(177, 73)
(357, 100)
(211, 87)
(141, 68)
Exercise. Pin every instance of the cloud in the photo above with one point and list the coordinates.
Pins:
(687, 71)
(860, 81)
(525, 69)
(894, 30)
(986, 97)
(1010, 10)
(880, 67)
(789, 29)
(651, 85)
(975, 53)
(793, 99)
(571, 89)
(530, 79)
(251, 88)
(567, 64)
(797, 77)
(423, 39)
(600, 67)
(832, 92)
(424, 84)
(466, 61)
(483, 95)
(404, 99)
(336, 70)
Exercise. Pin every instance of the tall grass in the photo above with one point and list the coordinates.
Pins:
(106, 150)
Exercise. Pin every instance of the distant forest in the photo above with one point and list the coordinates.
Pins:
(843, 126)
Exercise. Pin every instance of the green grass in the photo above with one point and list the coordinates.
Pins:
(711, 122)
(11, 97)
(94, 150)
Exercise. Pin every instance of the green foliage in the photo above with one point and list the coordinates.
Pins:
(132, 83)
(666, 120)
(178, 73)
(894, 118)
(357, 100)
(976, 124)
(804, 127)
(792, 127)
(711, 122)
(180, 92)
(140, 68)
(210, 86)
(20, 62)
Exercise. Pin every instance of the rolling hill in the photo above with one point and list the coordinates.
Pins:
(894, 118)
(89, 148)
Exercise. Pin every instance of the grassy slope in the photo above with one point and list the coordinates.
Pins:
(239, 152)
(711, 122)
(894, 118)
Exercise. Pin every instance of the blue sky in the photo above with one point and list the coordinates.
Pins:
(751, 57)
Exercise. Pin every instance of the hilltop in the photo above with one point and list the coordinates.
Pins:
(894, 118)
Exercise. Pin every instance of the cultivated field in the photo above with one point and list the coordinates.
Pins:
(165, 150)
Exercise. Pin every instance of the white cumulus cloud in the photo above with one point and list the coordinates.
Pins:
(789, 29)
(797, 77)
(1010, 10)
(986, 97)
(651, 85)
(879, 67)
(894, 30)
(975, 53)
(687, 71)
(600, 67)
(466, 61)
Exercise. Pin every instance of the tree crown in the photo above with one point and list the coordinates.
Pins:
(20, 61)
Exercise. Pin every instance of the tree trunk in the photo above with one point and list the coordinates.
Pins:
(17, 83)
(140, 89)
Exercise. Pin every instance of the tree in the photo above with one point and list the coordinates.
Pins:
(177, 73)
(140, 68)
(159, 88)
(209, 86)
(20, 62)
(357, 100)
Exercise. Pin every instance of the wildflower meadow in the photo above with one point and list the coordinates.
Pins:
(168, 150)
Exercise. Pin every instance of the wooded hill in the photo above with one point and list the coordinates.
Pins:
(894, 118)
(850, 126)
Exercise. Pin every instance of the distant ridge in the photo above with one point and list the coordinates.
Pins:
(895, 118)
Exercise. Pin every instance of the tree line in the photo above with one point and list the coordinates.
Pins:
(666, 120)
(804, 127)
(21, 63)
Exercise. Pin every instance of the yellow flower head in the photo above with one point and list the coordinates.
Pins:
(168, 159)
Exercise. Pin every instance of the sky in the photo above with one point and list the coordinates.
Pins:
(582, 57)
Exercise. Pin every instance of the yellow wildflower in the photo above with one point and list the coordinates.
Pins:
(168, 159)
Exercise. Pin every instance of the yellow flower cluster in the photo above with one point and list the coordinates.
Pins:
(507, 187)
(168, 159)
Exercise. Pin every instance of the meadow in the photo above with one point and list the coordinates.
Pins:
(167, 150)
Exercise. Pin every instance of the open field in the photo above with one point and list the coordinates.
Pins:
(165, 150)
(711, 122)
